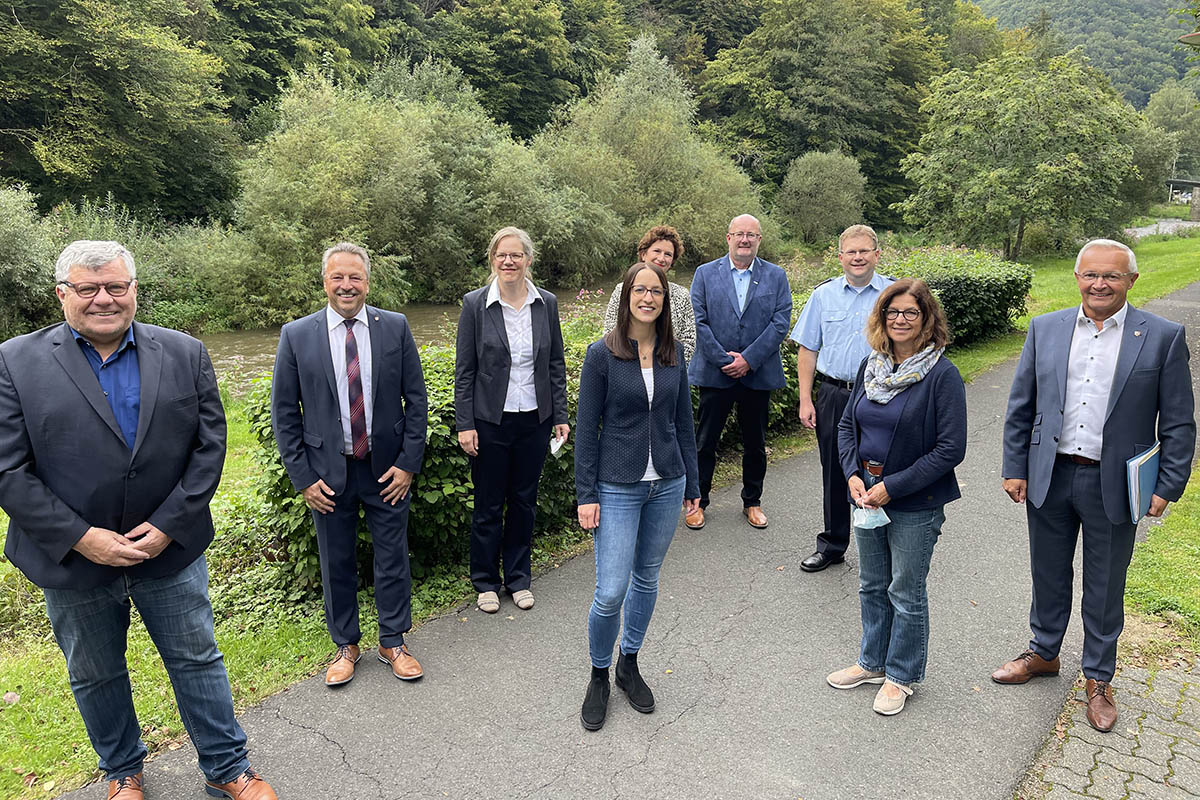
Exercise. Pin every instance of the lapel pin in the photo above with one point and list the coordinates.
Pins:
(1137, 333)
(377, 318)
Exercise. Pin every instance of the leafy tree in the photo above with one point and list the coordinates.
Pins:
(1133, 41)
(105, 96)
(633, 146)
(1176, 109)
(423, 182)
(821, 195)
(516, 54)
(971, 37)
(27, 257)
(1013, 142)
(843, 74)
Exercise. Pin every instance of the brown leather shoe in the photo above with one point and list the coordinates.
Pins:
(1025, 666)
(756, 516)
(127, 788)
(342, 669)
(404, 666)
(695, 520)
(247, 786)
(1102, 709)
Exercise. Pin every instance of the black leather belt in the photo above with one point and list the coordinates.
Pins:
(847, 385)
(1084, 462)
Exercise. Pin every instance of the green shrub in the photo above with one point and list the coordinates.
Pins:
(27, 256)
(822, 194)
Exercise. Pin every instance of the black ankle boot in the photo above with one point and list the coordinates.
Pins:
(595, 702)
(630, 681)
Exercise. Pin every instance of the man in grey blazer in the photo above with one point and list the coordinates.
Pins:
(349, 412)
(112, 440)
(1095, 386)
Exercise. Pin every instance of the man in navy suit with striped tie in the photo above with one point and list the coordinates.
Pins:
(349, 412)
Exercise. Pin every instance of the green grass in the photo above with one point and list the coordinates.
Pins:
(270, 643)
(1164, 576)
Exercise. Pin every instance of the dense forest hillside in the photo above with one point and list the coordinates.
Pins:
(1134, 41)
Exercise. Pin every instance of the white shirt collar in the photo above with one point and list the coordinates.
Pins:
(531, 293)
(333, 318)
(1117, 320)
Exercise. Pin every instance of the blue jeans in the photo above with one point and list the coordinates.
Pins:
(893, 562)
(91, 626)
(637, 523)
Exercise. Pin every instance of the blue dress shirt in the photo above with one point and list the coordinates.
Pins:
(833, 324)
(741, 283)
(120, 380)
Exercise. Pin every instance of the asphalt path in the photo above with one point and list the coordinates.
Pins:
(737, 655)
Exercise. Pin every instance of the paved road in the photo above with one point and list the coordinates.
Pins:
(737, 655)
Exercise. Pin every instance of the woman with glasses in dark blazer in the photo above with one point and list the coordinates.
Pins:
(635, 470)
(510, 387)
(902, 434)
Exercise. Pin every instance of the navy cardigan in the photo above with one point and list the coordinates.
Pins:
(930, 440)
(614, 427)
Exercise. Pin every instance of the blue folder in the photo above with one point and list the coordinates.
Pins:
(1142, 474)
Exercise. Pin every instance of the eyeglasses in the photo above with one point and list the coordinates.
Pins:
(910, 314)
(89, 290)
(857, 253)
(745, 235)
(639, 291)
(1107, 277)
(502, 257)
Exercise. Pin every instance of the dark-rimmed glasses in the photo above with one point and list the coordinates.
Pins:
(910, 314)
(90, 290)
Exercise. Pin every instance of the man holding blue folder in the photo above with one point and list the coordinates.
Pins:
(1095, 386)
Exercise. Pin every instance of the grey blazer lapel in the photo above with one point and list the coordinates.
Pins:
(1134, 335)
(495, 315)
(321, 334)
(1060, 346)
(150, 361)
(75, 364)
(752, 289)
(376, 328)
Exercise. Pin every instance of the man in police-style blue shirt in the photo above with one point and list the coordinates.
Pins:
(830, 333)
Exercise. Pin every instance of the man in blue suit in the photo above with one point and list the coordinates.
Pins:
(1095, 386)
(743, 309)
(349, 412)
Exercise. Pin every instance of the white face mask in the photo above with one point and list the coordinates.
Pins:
(868, 518)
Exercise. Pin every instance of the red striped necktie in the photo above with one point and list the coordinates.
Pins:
(358, 409)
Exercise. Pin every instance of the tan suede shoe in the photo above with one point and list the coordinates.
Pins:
(342, 669)
(127, 788)
(247, 786)
(404, 666)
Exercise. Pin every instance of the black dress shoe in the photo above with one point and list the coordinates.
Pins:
(595, 702)
(819, 561)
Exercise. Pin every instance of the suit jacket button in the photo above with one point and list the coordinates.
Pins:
(133, 473)
(1056, 438)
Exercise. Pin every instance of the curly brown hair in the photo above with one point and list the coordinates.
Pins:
(660, 233)
(934, 329)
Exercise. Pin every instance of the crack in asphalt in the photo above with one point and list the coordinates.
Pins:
(379, 788)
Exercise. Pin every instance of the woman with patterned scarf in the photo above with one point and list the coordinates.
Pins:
(903, 432)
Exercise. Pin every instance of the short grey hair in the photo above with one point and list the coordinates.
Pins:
(346, 247)
(520, 235)
(91, 255)
(1111, 245)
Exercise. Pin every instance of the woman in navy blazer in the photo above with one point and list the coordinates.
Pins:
(635, 463)
(903, 432)
(510, 386)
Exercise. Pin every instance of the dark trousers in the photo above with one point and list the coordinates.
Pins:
(1074, 500)
(715, 405)
(506, 474)
(831, 402)
(337, 538)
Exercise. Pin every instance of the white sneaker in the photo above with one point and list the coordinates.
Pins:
(886, 703)
(852, 676)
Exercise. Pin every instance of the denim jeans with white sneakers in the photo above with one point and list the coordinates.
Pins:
(893, 562)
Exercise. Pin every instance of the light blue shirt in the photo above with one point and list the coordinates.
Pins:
(833, 324)
(741, 283)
